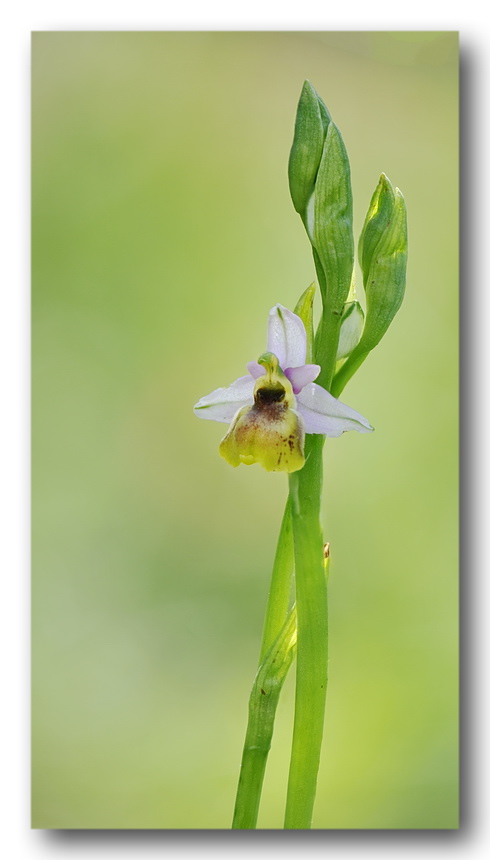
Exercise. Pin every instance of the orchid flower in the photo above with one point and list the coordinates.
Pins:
(271, 409)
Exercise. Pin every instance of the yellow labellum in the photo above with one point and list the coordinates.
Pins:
(270, 432)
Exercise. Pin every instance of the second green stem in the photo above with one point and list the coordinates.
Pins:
(312, 647)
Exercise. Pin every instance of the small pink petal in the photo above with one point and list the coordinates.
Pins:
(255, 369)
(301, 376)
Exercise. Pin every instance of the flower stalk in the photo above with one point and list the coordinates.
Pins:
(312, 649)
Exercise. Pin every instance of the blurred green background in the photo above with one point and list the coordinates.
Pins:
(162, 234)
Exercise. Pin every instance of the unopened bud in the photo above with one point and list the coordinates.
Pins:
(383, 257)
(312, 120)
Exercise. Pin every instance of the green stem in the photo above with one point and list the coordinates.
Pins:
(326, 343)
(263, 703)
(312, 649)
(348, 369)
(328, 332)
(280, 588)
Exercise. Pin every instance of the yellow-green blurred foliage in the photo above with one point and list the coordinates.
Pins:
(162, 234)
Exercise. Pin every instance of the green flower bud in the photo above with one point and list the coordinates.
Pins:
(350, 329)
(312, 120)
(383, 257)
(377, 219)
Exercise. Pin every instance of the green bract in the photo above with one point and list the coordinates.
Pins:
(304, 309)
(332, 229)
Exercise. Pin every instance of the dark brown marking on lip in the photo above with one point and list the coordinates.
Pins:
(269, 395)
